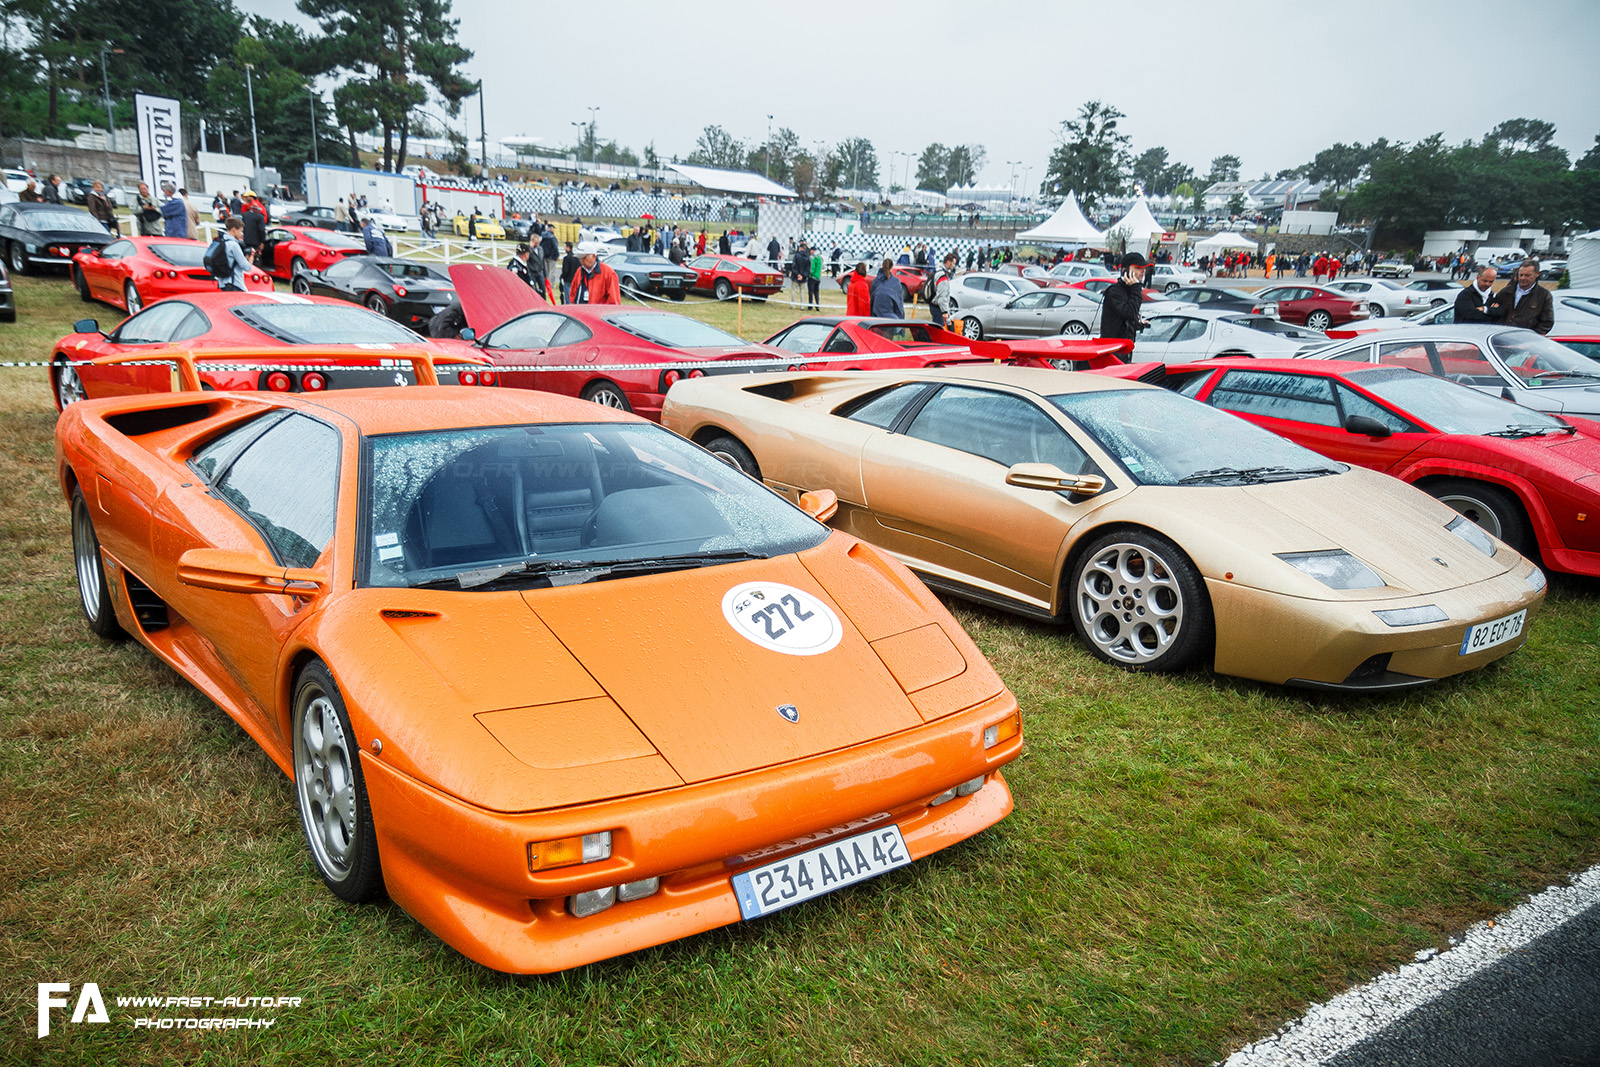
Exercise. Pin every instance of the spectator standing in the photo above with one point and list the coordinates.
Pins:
(550, 250)
(940, 305)
(146, 213)
(191, 216)
(51, 193)
(569, 267)
(235, 205)
(174, 220)
(238, 261)
(857, 291)
(255, 225)
(814, 283)
(30, 193)
(1525, 302)
(1333, 268)
(833, 266)
(1123, 302)
(341, 217)
(700, 243)
(725, 244)
(888, 296)
(800, 267)
(1319, 267)
(100, 208)
(774, 252)
(377, 242)
(1477, 302)
(594, 282)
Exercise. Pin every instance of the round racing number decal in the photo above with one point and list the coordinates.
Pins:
(782, 618)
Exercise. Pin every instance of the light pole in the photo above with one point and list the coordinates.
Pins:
(250, 92)
(768, 152)
(816, 165)
(483, 136)
(311, 102)
(593, 135)
(1025, 171)
(105, 80)
(1013, 164)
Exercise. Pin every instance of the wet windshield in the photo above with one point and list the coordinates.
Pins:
(1540, 362)
(1453, 408)
(561, 504)
(1166, 439)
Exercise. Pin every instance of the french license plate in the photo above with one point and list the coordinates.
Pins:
(820, 870)
(1488, 634)
(672, 283)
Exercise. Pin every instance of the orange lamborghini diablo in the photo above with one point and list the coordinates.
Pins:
(559, 682)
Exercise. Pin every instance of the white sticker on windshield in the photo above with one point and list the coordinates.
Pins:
(782, 618)
(386, 539)
(391, 552)
(1133, 465)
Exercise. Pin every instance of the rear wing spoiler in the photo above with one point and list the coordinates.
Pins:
(299, 358)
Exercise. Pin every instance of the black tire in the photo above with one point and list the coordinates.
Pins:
(298, 266)
(1137, 601)
(1374, 310)
(80, 283)
(374, 302)
(905, 292)
(1319, 321)
(607, 394)
(679, 296)
(67, 385)
(723, 289)
(19, 259)
(1492, 507)
(1075, 329)
(131, 298)
(301, 285)
(630, 284)
(1170, 287)
(733, 452)
(331, 791)
(971, 329)
(94, 593)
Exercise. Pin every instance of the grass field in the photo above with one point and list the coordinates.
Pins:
(1192, 858)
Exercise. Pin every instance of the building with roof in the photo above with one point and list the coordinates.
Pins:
(1274, 194)
(738, 182)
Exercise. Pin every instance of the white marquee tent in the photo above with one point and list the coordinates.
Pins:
(1223, 241)
(1066, 227)
(1140, 226)
(1583, 263)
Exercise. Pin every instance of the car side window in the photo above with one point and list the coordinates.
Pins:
(155, 325)
(1030, 301)
(286, 482)
(978, 284)
(997, 426)
(117, 249)
(1462, 360)
(571, 332)
(883, 408)
(1413, 355)
(533, 330)
(1162, 328)
(1298, 397)
(840, 342)
(806, 337)
(344, 270)
(1190, 329)
(193, 325)
(1353, 403)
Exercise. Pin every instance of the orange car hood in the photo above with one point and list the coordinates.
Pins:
(708, 697)
(492, 295)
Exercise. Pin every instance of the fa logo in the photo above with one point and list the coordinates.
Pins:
(91, 1008)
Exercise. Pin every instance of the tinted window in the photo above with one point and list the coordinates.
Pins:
(974, 283)
(999, 427)
(191, 256)
(118, 249)
(1353, 403)
(154, 325)
(533, 330)
(674, 331)
(287, 483)
(323, 324)
(1162, 328)
(344, 270)
(193, 325)
(881, 409)
(1031, 301)
(1298, 397)
(1190, 330)
(806, 337)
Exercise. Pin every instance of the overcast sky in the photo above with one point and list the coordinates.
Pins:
(1270, 82)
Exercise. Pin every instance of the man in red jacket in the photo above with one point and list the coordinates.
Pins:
(594, 283)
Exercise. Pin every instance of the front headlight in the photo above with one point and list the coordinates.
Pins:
(1536, 580)
(1471, 533)
(1336, 569)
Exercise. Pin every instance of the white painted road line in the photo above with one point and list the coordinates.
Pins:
(1327, 1030)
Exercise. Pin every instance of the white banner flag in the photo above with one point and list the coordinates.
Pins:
(160, 148)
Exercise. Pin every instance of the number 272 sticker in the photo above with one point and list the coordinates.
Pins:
(782, 618)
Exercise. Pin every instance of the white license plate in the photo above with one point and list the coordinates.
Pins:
(1488, 634)
(820, 870)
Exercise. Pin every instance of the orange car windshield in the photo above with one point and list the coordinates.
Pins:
(562, 503)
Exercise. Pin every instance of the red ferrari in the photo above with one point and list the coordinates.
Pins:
(1531, 479)
(722, 276)
(893, 344)
(134, 271)
(217, 326)
(1310, 306)
(624, 352)
(291, 250)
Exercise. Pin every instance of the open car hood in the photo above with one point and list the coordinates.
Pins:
(492, 295)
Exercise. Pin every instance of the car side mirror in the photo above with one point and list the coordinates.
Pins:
(820, 504)
(1366, 424)
(246, 572)
(1051, 477)
(87, 326)
(468, 333)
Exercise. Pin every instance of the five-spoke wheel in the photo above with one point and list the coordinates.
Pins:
(332, 793)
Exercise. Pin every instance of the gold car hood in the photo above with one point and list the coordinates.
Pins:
(1395, 529)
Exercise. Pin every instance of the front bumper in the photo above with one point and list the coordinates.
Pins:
(462, 871)
(1342, 645)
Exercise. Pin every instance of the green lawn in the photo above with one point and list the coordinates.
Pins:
(1192, 858)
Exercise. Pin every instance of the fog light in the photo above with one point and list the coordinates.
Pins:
(1412, 616)
(946, 796)
(1004, 730)
(566, 851)
(593, 902)
(645, 887)
(967, 788)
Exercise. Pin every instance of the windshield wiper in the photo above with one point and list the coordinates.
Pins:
(1516, 432)
(578, 571)
(1566, 374)
(1253, 474)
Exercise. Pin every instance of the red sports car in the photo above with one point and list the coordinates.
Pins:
(888, 344)
(514, 327)
(1587, 344)
(291, 250)
(1531, 479)
(722, 276)
(1310, 306)
(134, 271)
(219, 326)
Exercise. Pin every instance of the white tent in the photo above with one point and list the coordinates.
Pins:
(1140, 226)
(1066, 227)
(1222, 241)
(1583, 262)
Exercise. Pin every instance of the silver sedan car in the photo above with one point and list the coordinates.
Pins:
(1040, 313)
(1517, 364)
(977, 289)
(1382, 297)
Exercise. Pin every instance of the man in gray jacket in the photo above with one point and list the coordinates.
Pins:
(888, 295)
